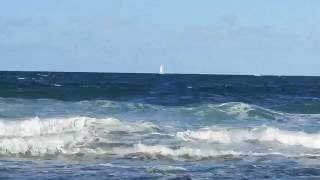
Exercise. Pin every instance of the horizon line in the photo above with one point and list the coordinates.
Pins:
(110, 72)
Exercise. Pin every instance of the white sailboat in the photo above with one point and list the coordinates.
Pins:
(161, 69)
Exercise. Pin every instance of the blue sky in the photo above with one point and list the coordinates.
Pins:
(207, 36)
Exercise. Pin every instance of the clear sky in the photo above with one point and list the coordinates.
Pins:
(188, 36)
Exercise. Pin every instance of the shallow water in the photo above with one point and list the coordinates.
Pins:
(142, 126)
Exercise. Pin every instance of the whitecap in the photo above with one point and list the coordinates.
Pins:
(263, 134)
(166, 169)
(44, 75)
(38, 137)
(186, 152)
(114, 165)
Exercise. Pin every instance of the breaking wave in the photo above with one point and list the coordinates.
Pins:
(112, 137)
(36, 137)
(262, 134)
(178, 132)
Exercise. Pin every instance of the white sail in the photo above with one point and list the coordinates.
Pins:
(161, 69)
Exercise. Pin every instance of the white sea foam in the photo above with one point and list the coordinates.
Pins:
(263, 134)
(181, 152)
(166, 168)
(37, 127)
(110, 136)
(114, 165)
(57, 85)
(240, 110)
(38, 137)
(184, 152)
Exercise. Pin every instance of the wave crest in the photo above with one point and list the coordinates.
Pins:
(72, 135)
(264, 134)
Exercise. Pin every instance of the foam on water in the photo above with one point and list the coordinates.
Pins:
(37, 137)
(37, 127)
(172, 134)
(71, 135)
(192, 152)
(262, 134)
(184, 152)
(146, 126)
(240, 110)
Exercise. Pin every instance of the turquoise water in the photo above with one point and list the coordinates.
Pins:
(149, 126)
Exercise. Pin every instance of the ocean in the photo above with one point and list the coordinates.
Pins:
(148, 126)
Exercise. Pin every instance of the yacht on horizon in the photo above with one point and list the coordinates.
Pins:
(161, 69)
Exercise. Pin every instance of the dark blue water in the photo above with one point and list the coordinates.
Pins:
(150, 126)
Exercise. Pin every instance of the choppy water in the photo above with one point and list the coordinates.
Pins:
(148, 126)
